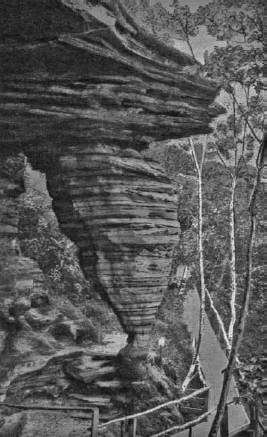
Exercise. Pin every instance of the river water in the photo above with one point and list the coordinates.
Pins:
(212, 361)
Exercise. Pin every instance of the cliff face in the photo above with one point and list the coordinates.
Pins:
(49, 351)
(80, 87)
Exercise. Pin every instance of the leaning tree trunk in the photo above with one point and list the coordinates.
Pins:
(199, 160)
(239, 330)
(199, 166)
(218, 319)
(232, 262)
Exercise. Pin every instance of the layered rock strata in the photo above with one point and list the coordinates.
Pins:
(70, 72)
(121, 212)
(81, 84)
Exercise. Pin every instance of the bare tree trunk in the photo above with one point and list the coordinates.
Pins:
(218, 320)
(199, 164)
(240, 326)
(232, 262)
(200, 252)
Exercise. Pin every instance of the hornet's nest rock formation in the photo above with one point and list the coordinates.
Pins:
(83, 91)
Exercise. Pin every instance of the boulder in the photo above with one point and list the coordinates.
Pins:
(77, 330)
(20, 306)
(39, 299)
(88, 371)
(38, 320)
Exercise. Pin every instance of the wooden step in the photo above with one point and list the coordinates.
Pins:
(114, 384)
(189, 410)
(90, 376)
(92, 400)
(196, 402)
(88, 416)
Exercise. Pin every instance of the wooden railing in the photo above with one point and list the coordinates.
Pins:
(131, 420)
(95, 411)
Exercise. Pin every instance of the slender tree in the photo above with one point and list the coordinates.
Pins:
(237, 66)
(199, 157)
(198, 154)
(240, 326)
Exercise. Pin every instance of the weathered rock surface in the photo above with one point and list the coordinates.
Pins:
(80, 86)
(13, 425)
(124, 223)
(86, 371)
(11, 186)
(39, 299)
(20, 306)
(91, 74)
(37, 366)
(77, 330)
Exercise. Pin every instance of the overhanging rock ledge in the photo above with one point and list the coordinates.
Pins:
(83, 91)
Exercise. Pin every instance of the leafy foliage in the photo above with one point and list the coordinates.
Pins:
(167, 25)
(240, 20)
(230, 173)
(229, 176)
(42, 240)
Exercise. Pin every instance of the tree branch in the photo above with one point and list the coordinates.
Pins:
(223, 161)
(218, 319)
(231, 92)
(259, 28)
(188, 41)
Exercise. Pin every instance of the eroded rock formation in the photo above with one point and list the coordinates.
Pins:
(80, 86)
(120, 211)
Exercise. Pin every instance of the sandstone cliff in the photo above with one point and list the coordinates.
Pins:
(50, 353)
(83, 91)
(81, 84)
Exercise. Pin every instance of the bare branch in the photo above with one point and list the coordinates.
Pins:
(259, 28)
(245, 117)
(222, 160)
(218, 319)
